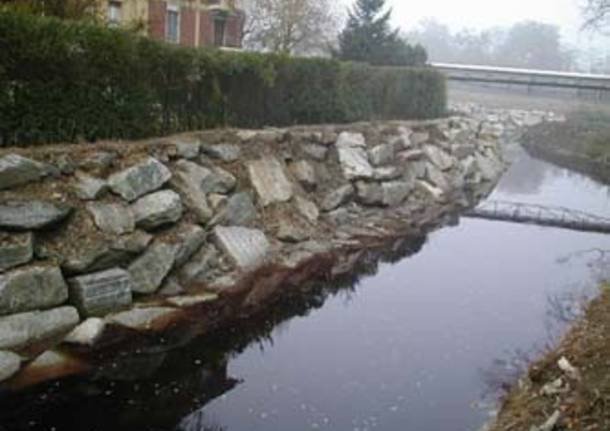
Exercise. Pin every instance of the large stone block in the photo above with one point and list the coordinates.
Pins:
(188, 182)
(101, 293)
(248, 248)
(112, 218)
(32, 288)
(269, 180)
(29, 215)
(16, 170)
(108, 254)
(353, 156)
(382, 154)
(21, 330)
(157, 209)
(15, 249)
(140, 179)
(149, 270)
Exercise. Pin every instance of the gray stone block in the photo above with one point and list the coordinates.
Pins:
(21, 330)
(247, 248)
(149, 270)
(269, 180)
(112, 218)
(32, 288)
(98, 294)
(16, 170)
(31, 215)
(140, 179)
(157, 209)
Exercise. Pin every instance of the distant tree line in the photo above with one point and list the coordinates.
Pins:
(528, 44)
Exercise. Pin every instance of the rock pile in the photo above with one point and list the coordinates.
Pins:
(127, 238)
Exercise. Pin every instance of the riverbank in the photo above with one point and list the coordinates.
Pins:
(105, 244)
(569, 387)
(581, 143)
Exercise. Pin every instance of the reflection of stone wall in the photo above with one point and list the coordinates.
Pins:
(131, 236)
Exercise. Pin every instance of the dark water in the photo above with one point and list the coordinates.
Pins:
(422, 345)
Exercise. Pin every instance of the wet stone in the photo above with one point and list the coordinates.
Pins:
(87, 333)
(101, 293)
(32, 288)
(21, 330)
(157, 209)
(224, 152)
(140, 179)
(149, 270)
(16, 170)
(248, 248)
(338, 197)
(10, 363)
(140, 319)
(269, 180)
(32, 215)
(89, 188)
(15, 249)
(112, 218)
(187, 181)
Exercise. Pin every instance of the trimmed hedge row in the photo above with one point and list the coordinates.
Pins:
(64, 81)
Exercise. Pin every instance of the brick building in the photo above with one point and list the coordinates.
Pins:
(186, 22)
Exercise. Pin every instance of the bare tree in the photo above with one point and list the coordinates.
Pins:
(289, 26)
(596, 14)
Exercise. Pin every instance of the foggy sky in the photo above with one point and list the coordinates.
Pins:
(479, 14)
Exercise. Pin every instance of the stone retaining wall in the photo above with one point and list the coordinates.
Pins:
(95, 237)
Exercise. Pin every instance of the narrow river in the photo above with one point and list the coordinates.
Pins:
(423, 345)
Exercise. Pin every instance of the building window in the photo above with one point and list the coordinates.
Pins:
(172, 25)
(219, 32)
(114, 13)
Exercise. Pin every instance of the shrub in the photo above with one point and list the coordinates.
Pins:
(69, 81)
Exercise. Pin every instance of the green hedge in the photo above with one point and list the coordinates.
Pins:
(64, 81)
